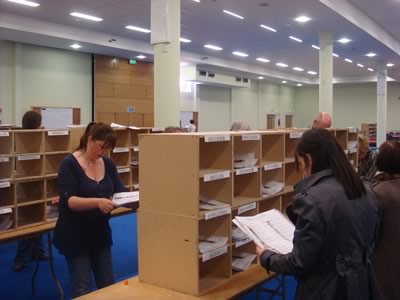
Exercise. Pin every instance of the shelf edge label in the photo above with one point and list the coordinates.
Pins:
(246, 207)
(246, 170)
(29, 157)
(4, 159)
(120, 149)
(353, 129)
(7, 210)
(135, 148)
(250, 137)
(216, 138)
(272, 166)
(123, 170)
(4, 133)
(215, 253)
(296, 135)
(57, 132)
(217, 213)
(216, 176)
(5, 184)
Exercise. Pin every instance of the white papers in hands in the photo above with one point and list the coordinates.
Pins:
(125, 197)
(242, 260)
(211, 204)
(211, 243)
(270, 229)
(271, 187)
(245, 160)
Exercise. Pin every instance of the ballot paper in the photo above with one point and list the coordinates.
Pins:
(270, 229)
(211, 243)
(245, 160)
(125, 197)
(271, 188)
(207, 203)
(242, 260)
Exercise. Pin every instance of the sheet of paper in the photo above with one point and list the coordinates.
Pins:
(210, 204)
(210, 243)
(125, 197)
(272, 187)
(242, 260)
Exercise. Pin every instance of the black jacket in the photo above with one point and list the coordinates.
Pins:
(332, 242)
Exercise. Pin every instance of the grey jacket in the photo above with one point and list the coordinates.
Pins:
(332, 241)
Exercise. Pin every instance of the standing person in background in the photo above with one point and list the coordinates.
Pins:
(240, 125)
(31, 248)
(387, 189)
(336, 220)
(87, 180)
(191, 127)
(366, 159)
(322, 120)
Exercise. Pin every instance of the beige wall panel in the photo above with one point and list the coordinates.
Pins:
(150, 68)
(148, 120)
(105, 117)
(142, 79)
(136, 119)
(104, 89)
(150, 93)
(121, 105)
(129, 91)
(122, 118)
(112, 75)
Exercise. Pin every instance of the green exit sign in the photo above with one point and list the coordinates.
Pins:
(132, 61)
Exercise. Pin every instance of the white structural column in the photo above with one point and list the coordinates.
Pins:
(381, 109)
(165, 35)
(325, 73)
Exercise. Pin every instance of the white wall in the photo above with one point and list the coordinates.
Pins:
(6, 82)
(245, 105)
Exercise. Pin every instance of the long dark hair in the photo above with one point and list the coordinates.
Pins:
(99, 132)
(326, 153)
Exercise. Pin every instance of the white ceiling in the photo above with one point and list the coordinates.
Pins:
(204, 23)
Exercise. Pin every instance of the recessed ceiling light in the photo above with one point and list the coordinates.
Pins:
(302, 19)
(87, 17)
(298, 69)
(212, 47)
(241, 54)
(76, 46)
(295, 39)
(335, 55)
(369, 69)
(344, 40)
(360, 65)
(28, 3)
(198, 1)
(183, 63)
(283, 81)
(233, 14)
(140, 56)
(348, 60)
(268, 28)
(262, 59)
(389, 65)
(312, 72)
(371, 54)
(260, 77)
(135, 28)
(299, 84)
(315, 47)
(183, 40)
(279, 64)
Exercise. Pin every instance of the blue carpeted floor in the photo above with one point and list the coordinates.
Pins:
(17, 286)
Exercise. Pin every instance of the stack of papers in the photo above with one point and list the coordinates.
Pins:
(238, 235)
(125, 197)
(5, 219)
(211, 243)
(52, 211)
(270, 229)
(245, 160)
(242, 260)
(211, 204)
(271, 188)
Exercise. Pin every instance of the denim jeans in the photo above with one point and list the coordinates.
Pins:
(80, 268)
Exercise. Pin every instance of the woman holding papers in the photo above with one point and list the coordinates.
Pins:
(87, 179)
(336, 217)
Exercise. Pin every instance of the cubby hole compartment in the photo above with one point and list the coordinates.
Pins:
(6, 144)
(291, 140)
(215, 156)
(341, 137)
(28, 141)
(53, 162)
(7, 192)
(57, 143)
(8, 221)
(273, 202)
(125, 176)
(135, 156)
(29, 191)
(123, 138)
(51, 211)
(247, 188)
(121, 159)
(220, 190)
(240, 244)
(135, 136)
(247, 248)
(52, 189)
(273, 148)
(30, 214)
(28, 166)
(6, 167)
(241, 146)
(135, 177)
(286, 201)
(292, 176)
(272, 175)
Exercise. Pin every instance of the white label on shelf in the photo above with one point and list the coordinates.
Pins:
(4, 184)
(242, 242)
(217, 213)
(4, 159)
(136, 186)
(246, 170)
(246, 207)
(29, 157)
(215, 253)
(5, 210)
(57, 132)
(4, 133)
(296, 135)
(120, 149)
(135, 148)
(353, 129)
(272, 166)
(352, 150)
(216, 176)
(250, 137)
(157, 129)
(123, 170)
(216, 138)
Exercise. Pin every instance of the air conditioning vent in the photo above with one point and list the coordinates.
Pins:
(202, 73)
(238, 79)
(211, 74)
(245, 80)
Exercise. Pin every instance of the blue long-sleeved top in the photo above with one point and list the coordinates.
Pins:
(79, 232)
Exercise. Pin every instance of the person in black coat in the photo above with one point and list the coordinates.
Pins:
(336, 219)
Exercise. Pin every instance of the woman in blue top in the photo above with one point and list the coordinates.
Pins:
(87, 179)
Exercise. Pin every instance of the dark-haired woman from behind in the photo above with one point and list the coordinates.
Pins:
(87, 180)
(336, 222)
(387, 189)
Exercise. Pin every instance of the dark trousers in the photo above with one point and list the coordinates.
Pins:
(28, 248)
(81, 266)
